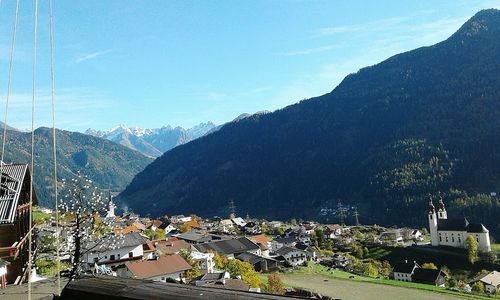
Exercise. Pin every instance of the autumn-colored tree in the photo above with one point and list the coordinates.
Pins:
(184, 228)
(237, 267)
(472, 249)
(195, 265)
(429, 265)
(274, 285)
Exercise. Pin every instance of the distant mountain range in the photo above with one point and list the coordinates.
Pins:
(425, 123)
(107, 164)
(153, 142)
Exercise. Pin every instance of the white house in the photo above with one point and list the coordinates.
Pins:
(115, 248)
(404, 271)
(454, 232)
(292, 256)
(206, 261)
(161, 269)
(491, 281)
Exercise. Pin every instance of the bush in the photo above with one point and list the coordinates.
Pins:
(274, 285)
(477, 287)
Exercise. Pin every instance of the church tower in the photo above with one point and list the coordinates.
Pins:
(111, 207)
(442, 210)
(433, 224)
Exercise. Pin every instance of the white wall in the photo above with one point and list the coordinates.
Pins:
(295, 258)
(120, 253)
(452, 238)
(163, 278)
(402, 276)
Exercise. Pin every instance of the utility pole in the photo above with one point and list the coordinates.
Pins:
(232, 209)
(341, 213)
(356, 215)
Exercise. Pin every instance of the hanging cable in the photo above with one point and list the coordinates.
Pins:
(30, 233)
(12, 49)
(58, 259)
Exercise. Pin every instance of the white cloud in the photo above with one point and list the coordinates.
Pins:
(309, 51)
(92, 55)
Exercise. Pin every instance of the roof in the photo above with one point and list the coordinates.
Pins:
(111, 242)
(239, 245)
(286, 240)
(12, 179)
(285, 250)
(171, 247)
(105, 287)
(302, 246)
(491, 278)
(231, 284)
(453, 224)
(192, 223)
(239, 221)
(148, 246)
(212, 276)
(425, 275)
(195, 237)
(167, 264)
(405, 267)
(128, 229)
(260, 239)
(476, 228)
(252, 258)
(155, 223)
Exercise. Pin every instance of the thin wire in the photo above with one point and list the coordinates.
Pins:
(12, 49)
(58, 260)
(30, 254)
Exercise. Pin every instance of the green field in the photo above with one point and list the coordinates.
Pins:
(345, 285)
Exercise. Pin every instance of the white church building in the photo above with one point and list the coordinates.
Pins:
(454, 232)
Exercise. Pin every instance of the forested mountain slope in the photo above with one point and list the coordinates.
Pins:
(107, 164)
(420, 123)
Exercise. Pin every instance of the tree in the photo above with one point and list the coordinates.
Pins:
(477, 287)
(237, 267)
(472, 249)
(195, 265)
(429, 265)
(184, 228)
(489, 257)
(452, 283)
(82, 203)
(274, 285)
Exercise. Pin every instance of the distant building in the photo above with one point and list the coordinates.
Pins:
(491, 281)
(229, 248)
(161, 269)
(14, 219)
(205, 260)
(404, 271)
(110, 214)
(454, 232)
(292, 256)
(259, 263)
(113, 249)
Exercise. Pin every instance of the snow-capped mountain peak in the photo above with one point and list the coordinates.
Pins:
(152, 142)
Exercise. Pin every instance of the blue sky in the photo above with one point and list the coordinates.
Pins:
(153, 63)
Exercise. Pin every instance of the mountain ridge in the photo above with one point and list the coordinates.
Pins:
(152, 142)
(421, 123)
(107, 164)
